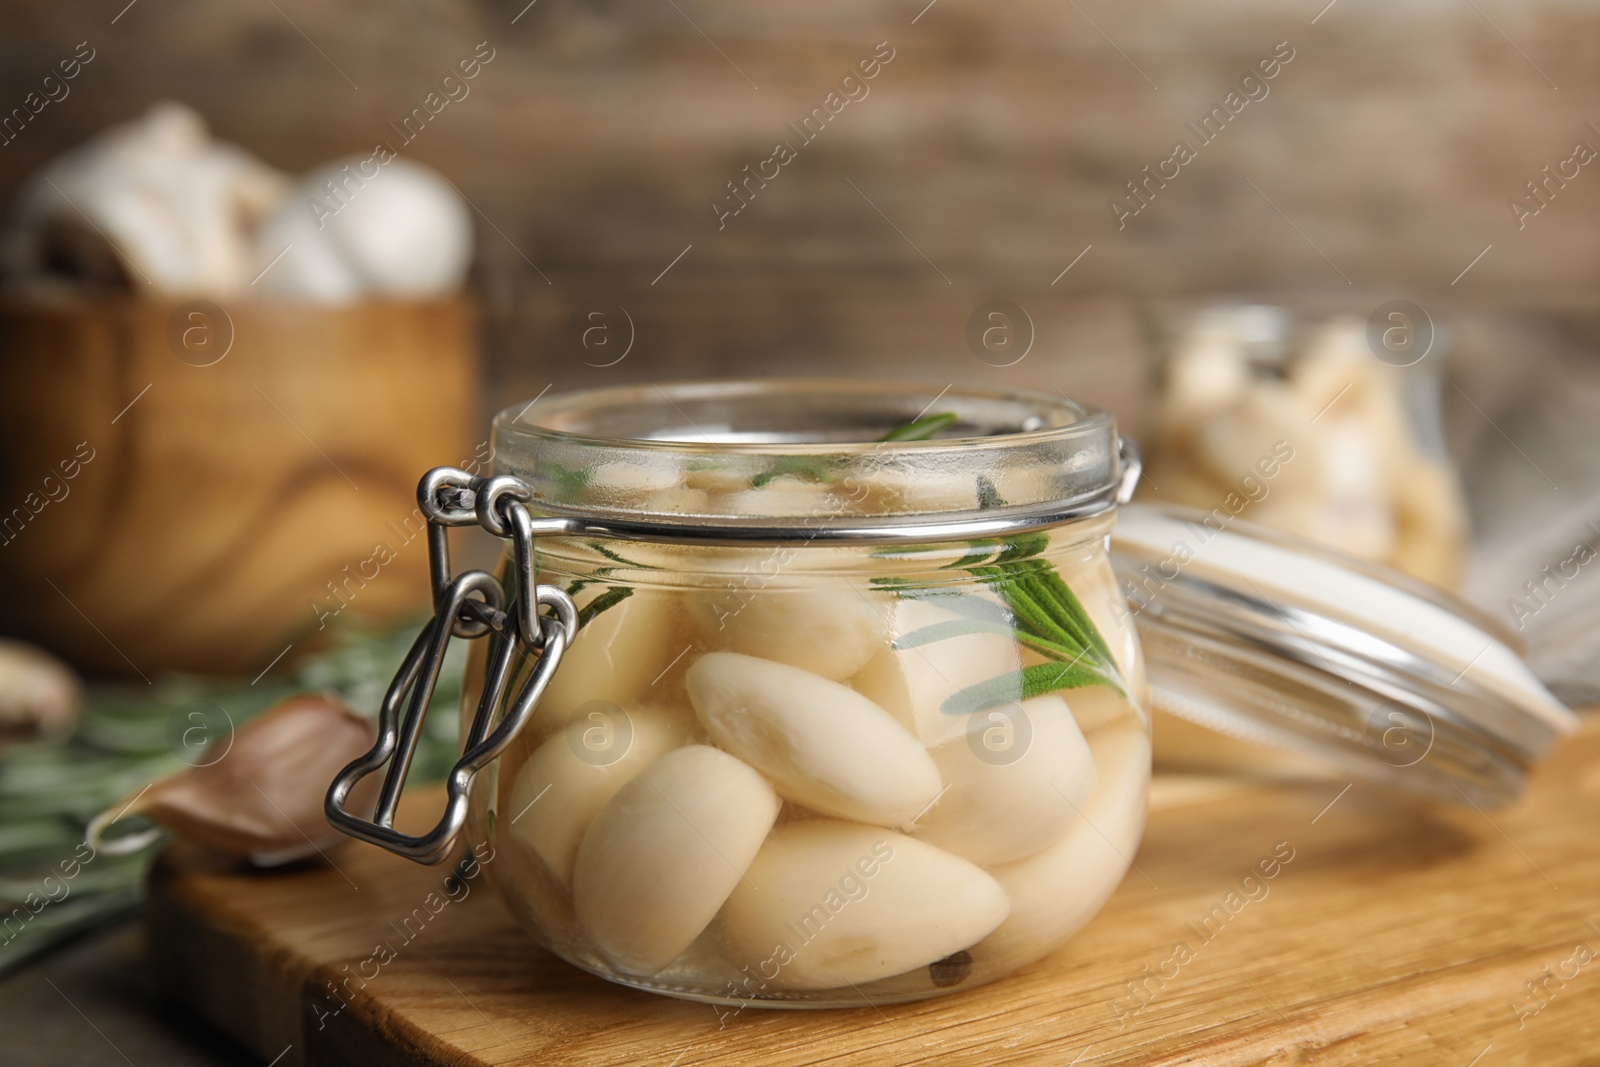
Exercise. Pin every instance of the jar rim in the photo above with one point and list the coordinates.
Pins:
(1071, 417)
(701, 451)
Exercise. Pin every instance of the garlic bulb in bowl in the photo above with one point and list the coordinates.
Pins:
(374, 226)
(154, 203)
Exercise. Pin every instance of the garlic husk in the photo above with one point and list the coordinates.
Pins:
(261, 799)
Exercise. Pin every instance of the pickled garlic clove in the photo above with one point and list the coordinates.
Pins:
(38, 694)
(786, 496)
(898, 490)
(261, 797)
(828, 904)
(616, 656)
(571, 776)
(912, 684)
(664, 853)
(825, 746)
(1055, 891)
(1014, 783)
(1096, 707)
(829, 632)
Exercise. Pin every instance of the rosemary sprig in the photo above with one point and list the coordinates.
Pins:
(608, 599)
(617, 557)
(816, 468)
(923, 429)
(128, 736)
(806, 468)
(1035, 606)
(1050, 620)
(1012, 686)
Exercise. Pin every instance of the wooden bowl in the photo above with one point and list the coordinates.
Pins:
(191, 488)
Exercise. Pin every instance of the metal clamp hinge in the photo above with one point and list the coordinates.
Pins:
(470, 605)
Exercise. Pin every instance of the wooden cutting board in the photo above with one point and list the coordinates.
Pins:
(1399, 932)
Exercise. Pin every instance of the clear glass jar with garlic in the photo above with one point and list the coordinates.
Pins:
(814, 770)
(1297, 425)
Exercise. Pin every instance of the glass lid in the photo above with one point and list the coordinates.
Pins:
(1273, 640)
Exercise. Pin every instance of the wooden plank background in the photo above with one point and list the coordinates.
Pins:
(1379, 165)
(979, 167)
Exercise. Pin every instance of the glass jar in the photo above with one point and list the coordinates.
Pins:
(1329, 428)
(827, 693)
(800, 760)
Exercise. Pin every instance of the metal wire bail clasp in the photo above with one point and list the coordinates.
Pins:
(471, 605)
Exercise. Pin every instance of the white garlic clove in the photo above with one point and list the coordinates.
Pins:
(680, 501)
(1432, 522)
(571, 776)
(829, 632)
(715, 479)
(617, 656)
(897, 490)
(829, 904)
(374, 226)
(1054, 892)
(630, 480)
(912, 684)
(825, 746)
(784, 497)
(1206, 373)
(39, 694)
(664, 853)
(1098, 707)
(1013, 783)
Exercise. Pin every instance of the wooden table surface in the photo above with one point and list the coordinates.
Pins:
(1398, 932)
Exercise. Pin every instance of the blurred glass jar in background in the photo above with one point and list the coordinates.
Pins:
(1296, 424)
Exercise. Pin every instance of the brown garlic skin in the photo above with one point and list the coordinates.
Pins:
(39, 694)
(261, 799)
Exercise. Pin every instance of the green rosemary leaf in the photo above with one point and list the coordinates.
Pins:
(923, 429)
(1046, 647)
(806, 468)
(1043, 598)
(980, 550)
(1024, 546)
(609, 599)
(988, 495)
(61, 921)
(1072, 608)
(1044, 678)
(1025, 684)
(570, 482)
(939, 631)
(20, 840)
(1015, 593)
(616, 557)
